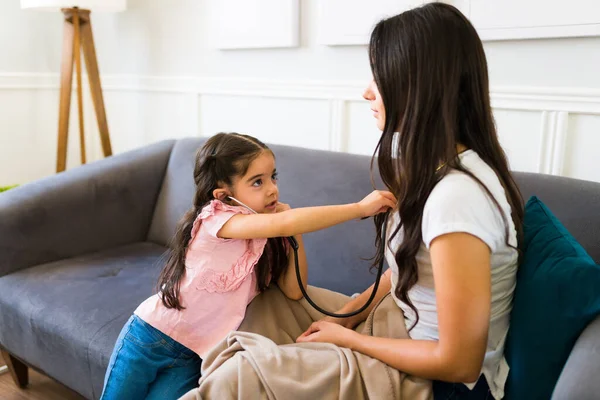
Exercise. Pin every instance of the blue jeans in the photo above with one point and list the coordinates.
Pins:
(458, 391)
(147, 364)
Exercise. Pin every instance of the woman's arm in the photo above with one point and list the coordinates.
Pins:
(461, 270)
(304, 220)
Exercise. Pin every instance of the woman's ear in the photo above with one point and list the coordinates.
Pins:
(220, 194)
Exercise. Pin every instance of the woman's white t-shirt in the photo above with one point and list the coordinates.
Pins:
(459, 204)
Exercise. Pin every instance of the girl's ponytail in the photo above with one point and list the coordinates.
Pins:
(172, 273)
(206, 180)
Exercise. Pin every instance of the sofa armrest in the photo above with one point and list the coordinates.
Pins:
(579, 377)
(97, 206)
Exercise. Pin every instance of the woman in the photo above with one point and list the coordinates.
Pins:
(453, 239)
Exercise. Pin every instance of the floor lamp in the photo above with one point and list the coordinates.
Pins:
(77, 38)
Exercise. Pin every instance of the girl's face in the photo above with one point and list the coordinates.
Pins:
(371, 94)
(258, 187)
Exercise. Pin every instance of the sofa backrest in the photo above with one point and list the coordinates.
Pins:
(177, 191)
(336, 255)
(575, 203)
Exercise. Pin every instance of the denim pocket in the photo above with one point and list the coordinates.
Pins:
(143, 335)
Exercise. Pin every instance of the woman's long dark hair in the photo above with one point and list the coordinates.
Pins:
(222, 158)
(430, 68)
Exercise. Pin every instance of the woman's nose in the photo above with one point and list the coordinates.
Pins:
(368, 93)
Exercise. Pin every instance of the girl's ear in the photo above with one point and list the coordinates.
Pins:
(220, 194)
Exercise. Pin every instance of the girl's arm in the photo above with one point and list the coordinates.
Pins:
(288, 283)
(461, 269)
(304, 220)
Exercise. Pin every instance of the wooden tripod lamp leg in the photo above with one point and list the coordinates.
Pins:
(66, 78)
(77, 50)
(91, 64)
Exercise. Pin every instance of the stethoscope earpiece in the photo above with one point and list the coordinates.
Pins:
(241, 204)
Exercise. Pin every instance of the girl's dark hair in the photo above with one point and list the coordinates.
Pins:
(222, 158)
(430, 68)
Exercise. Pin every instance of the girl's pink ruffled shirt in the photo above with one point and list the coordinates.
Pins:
(218, 284)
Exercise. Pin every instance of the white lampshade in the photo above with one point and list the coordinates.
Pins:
(94, 5)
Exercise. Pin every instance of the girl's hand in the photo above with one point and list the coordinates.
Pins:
(328, 332)
(282, 207)
(377, 202)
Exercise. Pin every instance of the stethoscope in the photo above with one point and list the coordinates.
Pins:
(292, 241)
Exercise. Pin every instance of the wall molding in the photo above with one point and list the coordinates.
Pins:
(554, 104)
(554, 129)
(25, 81)
(532, 98)
(574, 100)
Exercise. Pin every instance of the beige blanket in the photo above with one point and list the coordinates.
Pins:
(262, 361)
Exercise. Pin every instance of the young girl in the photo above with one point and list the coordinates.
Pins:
(223, 255)
(453, 238)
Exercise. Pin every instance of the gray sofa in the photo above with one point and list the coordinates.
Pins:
(80, 250)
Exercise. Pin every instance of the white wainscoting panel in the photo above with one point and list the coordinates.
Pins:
(350, 22)
(519, 134)
(582, 149)
(294, 122)
(137, 117)
(530, 19)
(543, 129)
(362, 134)
(28, 135)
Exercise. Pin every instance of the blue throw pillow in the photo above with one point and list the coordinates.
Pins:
(557, 296)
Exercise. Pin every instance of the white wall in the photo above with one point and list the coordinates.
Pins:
(162, 79)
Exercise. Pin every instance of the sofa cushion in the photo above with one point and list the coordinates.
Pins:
(64, 317)
(306, 178)
(556, 297)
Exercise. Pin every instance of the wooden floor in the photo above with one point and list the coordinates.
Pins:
(40, 388)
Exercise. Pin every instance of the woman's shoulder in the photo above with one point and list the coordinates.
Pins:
(460, 205)
(460, 201)
(461, 193)
(461, 185)
(456, 186)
